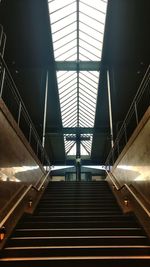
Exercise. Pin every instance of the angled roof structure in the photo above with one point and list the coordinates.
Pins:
(77, 32)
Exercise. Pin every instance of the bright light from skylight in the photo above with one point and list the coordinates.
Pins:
(77, 31)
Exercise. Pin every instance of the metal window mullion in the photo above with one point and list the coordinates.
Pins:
(88, 83)
(67, 152)
(56, 10)
(69, 117)
(85, 148)
(65, 52)
(93, 46)
(87, 92)
(66, 108)
(86, 109)
(91, 112)
(61, 74)
(91, 72)
(60, 88)
(92, 18)
(90, 36)
(63, 18)
(91, 27)
(84, 101)
(67, 89)
(88, 51)
(66, 35)
(69, 124)
(70, 75)
(85, 116)
(67, 94)
(72, 99)
(83, 73)
(70, 56)
(82, 116)
(89, 89)
(91, 101)
(53, 33)
(85, 56)
(84, 122)
(87, 113)
(66, 115)
(88, 145)
(93, 8)
(64, 44)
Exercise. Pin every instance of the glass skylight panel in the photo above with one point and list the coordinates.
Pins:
(77, 89)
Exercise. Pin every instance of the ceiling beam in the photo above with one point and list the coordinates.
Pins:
(74, 65)
(77, 130)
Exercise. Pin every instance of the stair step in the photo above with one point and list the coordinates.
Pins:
(84, 224)
(82, 251)
(74, 261)
(78, 231)
(77, 240)
(65, 218)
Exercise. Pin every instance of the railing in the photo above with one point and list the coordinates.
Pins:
(2, 40)
(128, 188)
(137, 109)
(2, 223)
(19, 200)
(10, 95)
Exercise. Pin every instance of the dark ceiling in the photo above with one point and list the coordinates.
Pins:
(29, 53)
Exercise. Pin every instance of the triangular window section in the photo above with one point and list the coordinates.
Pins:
(77, 32)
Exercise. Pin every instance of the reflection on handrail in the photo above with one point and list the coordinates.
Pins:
(15, 206)
(129, 190)
(39, 188)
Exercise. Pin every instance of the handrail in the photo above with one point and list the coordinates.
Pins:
(123, 134)
(22, 108)
(21, 198)
(14, 206)
(11, 199)
(130, 191)
(39, 188)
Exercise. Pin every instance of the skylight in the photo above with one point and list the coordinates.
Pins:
(77, 31)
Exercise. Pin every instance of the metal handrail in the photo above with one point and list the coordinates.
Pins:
(11, 199)
(130, 191)
(41, 185)
(132, 111)
(21, 198)
(15, 206)
(22, 108)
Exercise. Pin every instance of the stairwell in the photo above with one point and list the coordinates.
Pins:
(76, 224)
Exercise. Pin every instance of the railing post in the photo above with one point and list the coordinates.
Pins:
(45, 109)
(125, 132)
(37, 148)
(110, 109)
(30, 132)
(19, 113)
(2, 82)
(136, 113)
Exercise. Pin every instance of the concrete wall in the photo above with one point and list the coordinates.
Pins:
(133, 165)
(18, 163)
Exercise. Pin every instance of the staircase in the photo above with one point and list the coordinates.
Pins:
(77, 224)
